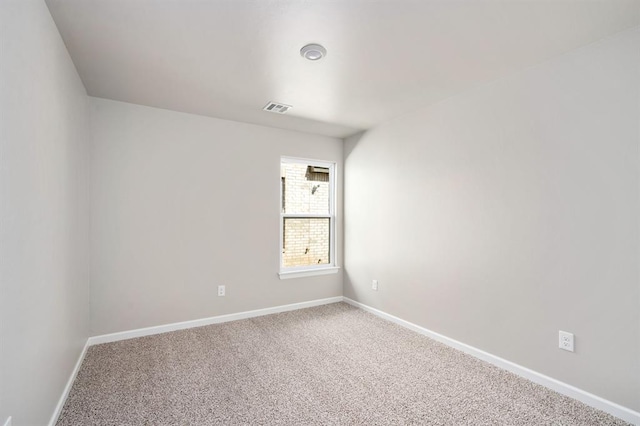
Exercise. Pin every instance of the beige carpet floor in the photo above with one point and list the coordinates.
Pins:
(330, 365)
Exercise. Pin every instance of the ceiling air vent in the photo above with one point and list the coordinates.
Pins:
(276, 107)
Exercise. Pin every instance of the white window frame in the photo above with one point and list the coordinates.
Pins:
(310, 270)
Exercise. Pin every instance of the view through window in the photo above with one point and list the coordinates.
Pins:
(307, 217)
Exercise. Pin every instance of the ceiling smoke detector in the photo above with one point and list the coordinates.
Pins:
(313, 52)
(277, 107)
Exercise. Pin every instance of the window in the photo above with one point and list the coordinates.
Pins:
(307, 218)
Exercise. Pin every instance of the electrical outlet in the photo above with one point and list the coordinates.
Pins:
(374, 285)
(565, 341)
(221, 290)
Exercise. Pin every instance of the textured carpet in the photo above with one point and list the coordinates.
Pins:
(330, 365)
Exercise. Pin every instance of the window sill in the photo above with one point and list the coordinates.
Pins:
(309, 272)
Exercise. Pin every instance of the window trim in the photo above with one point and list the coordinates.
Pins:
(310, 270)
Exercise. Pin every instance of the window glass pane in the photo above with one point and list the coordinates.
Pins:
(306, 242)
(305, 189)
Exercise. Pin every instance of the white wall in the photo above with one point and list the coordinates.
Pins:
(509, 212)
(44, 318)
(183, 203)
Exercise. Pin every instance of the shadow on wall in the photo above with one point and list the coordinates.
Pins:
(348, 289)
(350, 144)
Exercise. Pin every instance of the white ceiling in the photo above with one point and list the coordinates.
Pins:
(228, 58)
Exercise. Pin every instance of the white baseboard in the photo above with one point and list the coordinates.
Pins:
(590, 399)
(114, 337)
(67, 388)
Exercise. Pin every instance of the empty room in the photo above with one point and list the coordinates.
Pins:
(318, 212)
